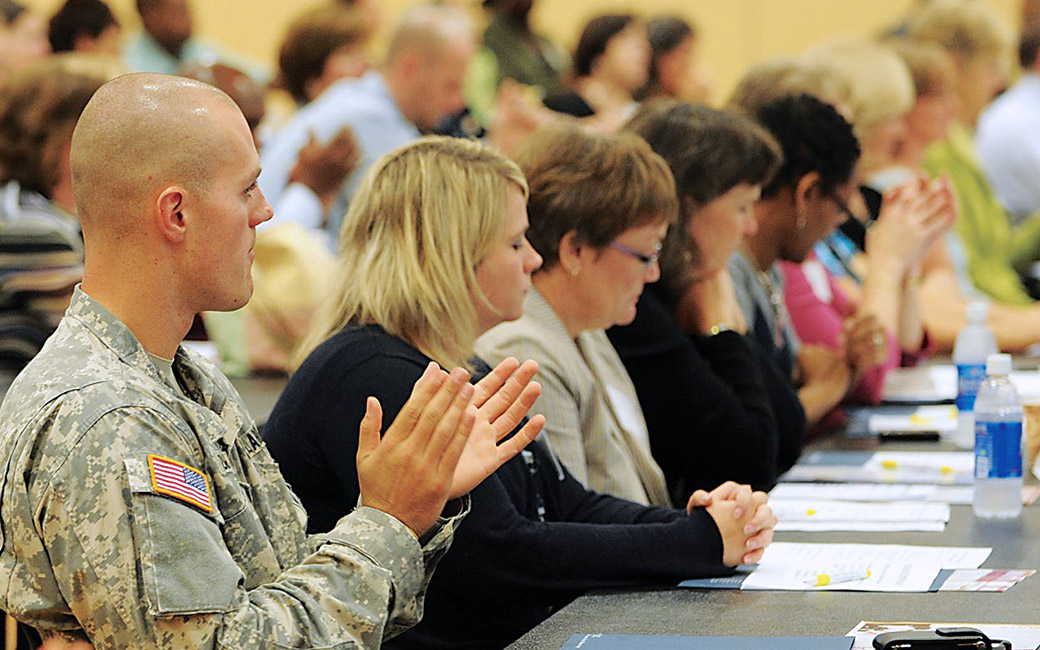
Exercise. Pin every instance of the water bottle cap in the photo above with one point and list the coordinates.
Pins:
(998, 364)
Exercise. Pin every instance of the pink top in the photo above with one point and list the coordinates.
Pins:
(818, 307)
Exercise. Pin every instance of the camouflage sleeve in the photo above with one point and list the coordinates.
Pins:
(140, 569)
(405, 612)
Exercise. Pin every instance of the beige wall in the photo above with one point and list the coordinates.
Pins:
(735, 33)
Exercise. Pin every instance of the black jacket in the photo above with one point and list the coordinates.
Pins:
(717, 408)
(534, 539)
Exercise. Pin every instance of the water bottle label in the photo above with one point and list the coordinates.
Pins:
(998, 449)
(969, 377)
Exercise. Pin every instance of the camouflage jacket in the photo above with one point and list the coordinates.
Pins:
(143, 517)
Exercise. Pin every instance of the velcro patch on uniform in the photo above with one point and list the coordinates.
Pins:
(180, 481)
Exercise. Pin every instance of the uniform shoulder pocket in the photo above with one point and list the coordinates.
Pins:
(185, 565)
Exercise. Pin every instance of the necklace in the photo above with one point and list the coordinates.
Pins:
(776, 301)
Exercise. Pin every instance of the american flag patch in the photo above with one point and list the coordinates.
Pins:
(180, 482)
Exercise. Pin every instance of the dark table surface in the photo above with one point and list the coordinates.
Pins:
(669, 610)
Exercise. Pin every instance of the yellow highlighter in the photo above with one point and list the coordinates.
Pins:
(890, 464)
(824, 579)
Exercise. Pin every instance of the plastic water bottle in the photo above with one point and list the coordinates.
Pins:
(974, 343)
(998, 443)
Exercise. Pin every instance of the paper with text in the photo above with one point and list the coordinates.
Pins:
(893, 567)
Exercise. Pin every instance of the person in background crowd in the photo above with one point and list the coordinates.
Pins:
(516, 52)
(599, 208)
(715, 404)
(417, 86)
(935, 108)
(946, 286)
(432, 254)
(782, 75)
(995, 252)
(167, 42)
(611, 63)
(23, 38)
(85, 26)
(674, 71)
(39, 231)
(322, 46)
(370, 9)
(1007, 139)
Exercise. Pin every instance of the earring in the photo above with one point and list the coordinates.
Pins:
(574, 271)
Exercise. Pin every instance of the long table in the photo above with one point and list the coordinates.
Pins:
(668, 610)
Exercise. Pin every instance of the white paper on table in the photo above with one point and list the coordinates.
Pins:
(1027, 383)
(918, 466)
(864, 474)
(953, 494)
(862, 526)
(939, 383)
(822, 510)
(921, 384)
(926, 418)
(1022, 637)
(936, 467)
(893, 567)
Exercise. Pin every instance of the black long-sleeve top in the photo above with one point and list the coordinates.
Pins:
(534, 538)
(717, 408)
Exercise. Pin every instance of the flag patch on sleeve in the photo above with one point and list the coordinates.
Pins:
(180, 481)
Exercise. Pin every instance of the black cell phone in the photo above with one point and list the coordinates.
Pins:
(942, 638)
(909, 435)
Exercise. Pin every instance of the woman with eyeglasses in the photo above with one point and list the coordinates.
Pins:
(599, 243)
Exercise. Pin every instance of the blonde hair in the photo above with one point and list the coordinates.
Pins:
(966, 28)
(423, 219)
(931, 66)
(880, 85)
(780, 76)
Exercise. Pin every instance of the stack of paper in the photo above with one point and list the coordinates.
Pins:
(939, 467)
(796, 566)
(951, 494)
(828, 515)
(941, 418)
(931, 384)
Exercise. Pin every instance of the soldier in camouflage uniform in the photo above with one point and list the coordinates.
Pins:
(140, 507)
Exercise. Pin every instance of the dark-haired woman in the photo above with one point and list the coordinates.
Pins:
(715, 405)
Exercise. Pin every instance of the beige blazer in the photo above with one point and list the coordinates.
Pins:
(592, 413)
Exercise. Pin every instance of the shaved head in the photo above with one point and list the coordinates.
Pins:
(164, 170)
(139, 134)
(426, 63)
(429, 30)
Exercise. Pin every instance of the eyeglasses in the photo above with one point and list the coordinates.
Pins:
(647, 260)
(843, 206)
